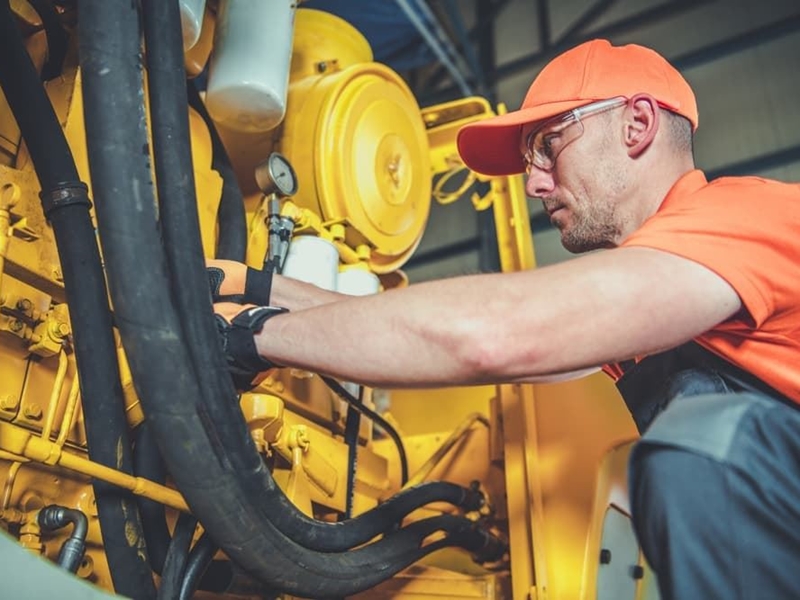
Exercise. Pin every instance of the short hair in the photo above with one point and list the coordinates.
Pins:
(679, 130)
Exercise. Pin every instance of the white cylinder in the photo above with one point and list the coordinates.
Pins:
(248, 77)
(357, 282)
(314, 260)
(191, 21)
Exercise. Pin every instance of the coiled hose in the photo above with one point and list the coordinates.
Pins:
(215, 465)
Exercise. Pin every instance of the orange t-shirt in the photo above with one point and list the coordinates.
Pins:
(747, 230)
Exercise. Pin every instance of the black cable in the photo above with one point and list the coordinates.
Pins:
(351, 431)
(339, 390)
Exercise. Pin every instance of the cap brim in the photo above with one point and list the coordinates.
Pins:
(491, 146)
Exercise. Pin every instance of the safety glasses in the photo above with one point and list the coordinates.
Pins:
(541, 147)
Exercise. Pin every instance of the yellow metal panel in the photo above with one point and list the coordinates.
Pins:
(577, 423)
(429, 583)
(324, 41)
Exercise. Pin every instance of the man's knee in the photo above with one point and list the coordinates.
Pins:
(677, 497)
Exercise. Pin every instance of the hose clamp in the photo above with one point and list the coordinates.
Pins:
(63, 195)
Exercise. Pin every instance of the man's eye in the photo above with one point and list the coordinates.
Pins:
(549, 143)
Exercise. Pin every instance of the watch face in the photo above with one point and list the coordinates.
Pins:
(275, 175)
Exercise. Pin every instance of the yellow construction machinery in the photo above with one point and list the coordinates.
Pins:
(128, 464)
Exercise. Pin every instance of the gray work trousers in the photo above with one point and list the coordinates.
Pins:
(715, 498)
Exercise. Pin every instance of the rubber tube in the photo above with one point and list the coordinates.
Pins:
(314, 534)
(224, 492)
(199, 560)
(177, 557)
(56, 38)
(185, 258)
(84, 284)
(147, 463)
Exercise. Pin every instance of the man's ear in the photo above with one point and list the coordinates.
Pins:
(641, 123)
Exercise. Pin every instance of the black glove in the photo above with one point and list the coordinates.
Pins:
(237, 325)
(232, 281)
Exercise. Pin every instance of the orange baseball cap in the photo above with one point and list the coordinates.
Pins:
(592, 71)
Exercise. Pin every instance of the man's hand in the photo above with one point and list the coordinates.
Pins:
(232, 281)
(236, 325)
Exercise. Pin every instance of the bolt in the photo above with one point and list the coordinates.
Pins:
(637, 571)
(605, 556)
(57, 274)
(59, 329)
(16, 325)
(8, 402)
(24, 304)
(33, 411)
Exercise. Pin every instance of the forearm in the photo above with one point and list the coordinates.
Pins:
(298, 295)
(401, 338)
(510, 327)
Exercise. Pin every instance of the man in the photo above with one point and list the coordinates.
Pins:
(694, 307)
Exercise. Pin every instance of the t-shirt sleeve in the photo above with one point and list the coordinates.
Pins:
(746, 233)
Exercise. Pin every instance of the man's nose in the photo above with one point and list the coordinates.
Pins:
(539, 183)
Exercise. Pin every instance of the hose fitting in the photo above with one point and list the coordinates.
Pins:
(55, 517)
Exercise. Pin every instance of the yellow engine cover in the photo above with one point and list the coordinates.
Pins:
(358, 143)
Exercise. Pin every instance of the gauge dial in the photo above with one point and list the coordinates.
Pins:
(276, 176)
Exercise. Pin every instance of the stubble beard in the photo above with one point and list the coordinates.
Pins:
(590, 230)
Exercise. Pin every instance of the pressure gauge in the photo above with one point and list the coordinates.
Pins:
(276, 176)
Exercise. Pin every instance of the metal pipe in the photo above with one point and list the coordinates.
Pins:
(55, 395)
(20, 443)
(446, 446)
(9, 486)
(436, 46)
(469, 50)
(69, 412)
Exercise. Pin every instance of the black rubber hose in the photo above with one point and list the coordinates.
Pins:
(66, 205)
(179, 220)
(56, 38)
(184, 256)
(199, 560)
(55, 517)
(148, 464)
(224, 493)
(177, 557)
(231, 217)
(314, 534)
(336, 537)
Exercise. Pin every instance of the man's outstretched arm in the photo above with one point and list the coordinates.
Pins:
(490, 328)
